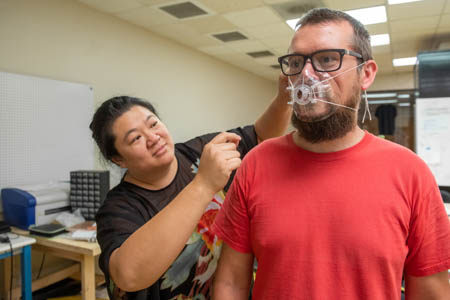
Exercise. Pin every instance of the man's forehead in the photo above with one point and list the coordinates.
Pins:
(327, 35)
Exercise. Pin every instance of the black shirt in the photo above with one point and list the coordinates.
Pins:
(386, 118)
(127, 207)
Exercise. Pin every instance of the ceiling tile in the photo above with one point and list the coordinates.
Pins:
(278, 42)
(246, 46)
(269, 30)
(348, 5)
(443, 30)
(381, 49)
(210, 24)
(413, 24)
(379, 28)
(279, 1)
(152, 2)
(404, 69)
(412, 27)
(218, 50)
(398, 37)
(409, 48)
(184, 35)
(415, 9)
(268, 61)
(147, 17)
(447, 7)
(197, 41)
(253, 17)
(112, 6)
(236, 59)
(225, 6)
(445, 21)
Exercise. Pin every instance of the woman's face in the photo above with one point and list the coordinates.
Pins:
(142, 141)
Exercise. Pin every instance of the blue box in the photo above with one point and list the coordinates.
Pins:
(34, 205)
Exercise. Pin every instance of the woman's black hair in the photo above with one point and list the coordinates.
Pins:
(104, 118)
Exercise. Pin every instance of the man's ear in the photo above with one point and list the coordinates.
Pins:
(119, 161)
(368, 73)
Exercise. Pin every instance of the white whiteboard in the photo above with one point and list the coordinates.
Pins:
(44, 129)
(433, 136)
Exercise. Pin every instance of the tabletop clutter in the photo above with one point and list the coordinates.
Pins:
(64, 208)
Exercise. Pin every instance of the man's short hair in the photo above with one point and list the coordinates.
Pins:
(361, 37)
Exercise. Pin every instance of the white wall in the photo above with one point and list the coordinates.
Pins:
(66, 40)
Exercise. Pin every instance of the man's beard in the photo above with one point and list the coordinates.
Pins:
(335, 126)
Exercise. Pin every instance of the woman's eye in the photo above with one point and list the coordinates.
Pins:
(154, 124)
(135, 139)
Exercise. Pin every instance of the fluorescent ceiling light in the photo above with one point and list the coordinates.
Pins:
(392, 2)
(367, 16)
(404, 104)
(406, 61)
(292, 22)
(379, 39)
(382, 95)
(382, 101)
(403, 96)
(371, 15)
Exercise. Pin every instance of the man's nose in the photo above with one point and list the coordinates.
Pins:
(308, 67)
(308, 71)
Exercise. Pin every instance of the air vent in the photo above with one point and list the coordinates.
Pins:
(230, 36)
(275, 67)
(183, 10)
(260, 54)
(297, 8)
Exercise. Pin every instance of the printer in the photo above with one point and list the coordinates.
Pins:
(34, 204)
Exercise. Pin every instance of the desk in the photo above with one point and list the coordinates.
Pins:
(23, 244)
(80, 251)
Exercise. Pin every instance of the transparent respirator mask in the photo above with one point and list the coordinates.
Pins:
(308, 90)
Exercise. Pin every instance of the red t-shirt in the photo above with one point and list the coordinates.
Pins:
(341, 225)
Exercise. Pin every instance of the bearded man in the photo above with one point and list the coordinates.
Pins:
(330, 211)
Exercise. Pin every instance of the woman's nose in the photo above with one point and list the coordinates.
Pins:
(152, 137)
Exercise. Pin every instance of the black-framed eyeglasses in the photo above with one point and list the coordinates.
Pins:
(327, 60)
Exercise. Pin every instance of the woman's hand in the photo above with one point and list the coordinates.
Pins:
(219, 158)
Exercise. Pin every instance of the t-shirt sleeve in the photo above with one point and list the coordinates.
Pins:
(193, 148)
(116, 220)
(232, 223)
(429, 236)
(247, 134)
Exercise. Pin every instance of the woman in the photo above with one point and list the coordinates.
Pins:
(153, 227)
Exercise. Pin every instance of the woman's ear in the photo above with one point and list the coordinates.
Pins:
(368, 73)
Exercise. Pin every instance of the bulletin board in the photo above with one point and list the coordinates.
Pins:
(433, 136)
(44, 129)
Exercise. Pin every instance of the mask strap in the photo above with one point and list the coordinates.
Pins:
(366, 109)
(325, 80)
(336, 104)
(290, 87)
